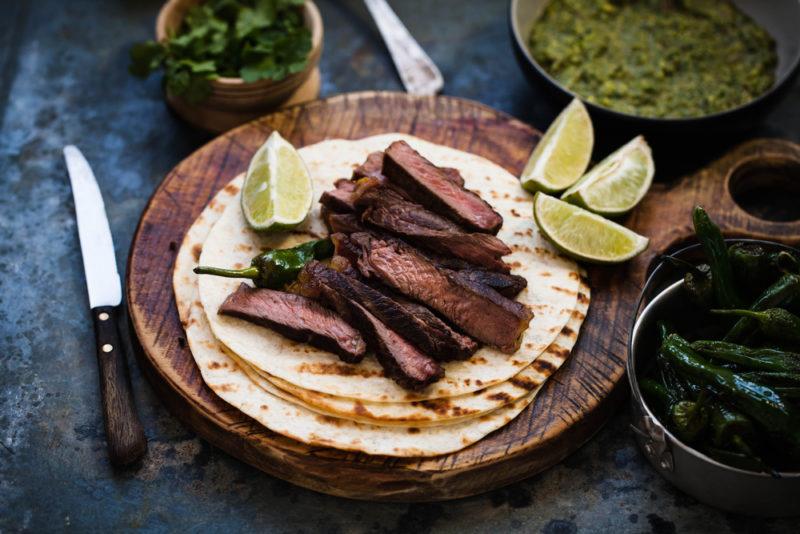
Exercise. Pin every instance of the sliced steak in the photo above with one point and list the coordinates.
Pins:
(346, 223)
(363, 306)
(508, 285)
(413, 321)
(427, 184)
(373, 168)
(298, 318)
(381, 208)
(478, 310)
(340, 199)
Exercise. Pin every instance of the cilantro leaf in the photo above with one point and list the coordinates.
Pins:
(253, 39)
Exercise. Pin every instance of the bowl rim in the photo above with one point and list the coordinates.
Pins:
(630, 364)
(314, 19)
(522, 46)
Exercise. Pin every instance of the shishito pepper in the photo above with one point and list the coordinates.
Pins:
(276, 268)
(784, 291)
(775, 323)
(765, 359)
(717, 254)
(758, 401)
(696, 281)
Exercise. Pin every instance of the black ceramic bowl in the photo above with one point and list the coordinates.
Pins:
(709, 481)
(781, 18)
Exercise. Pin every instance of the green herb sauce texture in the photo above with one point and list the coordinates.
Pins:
(655, 58)
(249, 39)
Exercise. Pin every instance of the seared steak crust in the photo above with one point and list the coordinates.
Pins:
(382, 208)
(298, 318)
(478, 310)
(427, 184)
(362, 306)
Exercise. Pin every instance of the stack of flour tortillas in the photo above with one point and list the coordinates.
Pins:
(310, 395)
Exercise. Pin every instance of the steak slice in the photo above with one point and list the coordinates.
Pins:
(346, 223)
(413, 321)
(428, 185)
(341, 198)
(360, 304)
(508, 285)
(387, 211)
(478, 310)
(373, 168)
(298, 318)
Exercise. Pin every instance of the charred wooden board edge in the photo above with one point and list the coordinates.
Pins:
(378, 478)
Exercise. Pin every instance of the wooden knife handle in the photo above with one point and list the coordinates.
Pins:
(124, 433)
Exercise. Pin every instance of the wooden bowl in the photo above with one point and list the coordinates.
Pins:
(232, 100)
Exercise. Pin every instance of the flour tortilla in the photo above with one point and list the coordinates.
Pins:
(426, 413)
(447, 410)
(553, 283)
(259, 401)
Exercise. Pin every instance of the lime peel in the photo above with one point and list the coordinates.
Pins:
(584, 235)
(563, 153)
(277, 191)
(616, 184)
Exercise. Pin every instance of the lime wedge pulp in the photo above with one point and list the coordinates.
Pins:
(584, 235)
(616, 184)
(277, 189)
(563, 153)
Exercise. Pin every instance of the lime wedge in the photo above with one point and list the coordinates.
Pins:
(277, 190)
(584, 235)
(616, 184)
(562, 155)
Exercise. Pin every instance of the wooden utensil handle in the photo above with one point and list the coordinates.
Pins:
(418, 72)
(124, 433)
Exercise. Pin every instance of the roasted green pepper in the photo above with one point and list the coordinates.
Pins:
(785, 290)
(752, 267)
(689, 419)
(717, 254)
(657, 395)
(775, 323)
(758, 401)
(276, 268)
(766, 359)
(696, 281)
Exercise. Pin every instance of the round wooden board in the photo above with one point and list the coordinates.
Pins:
(571, 407)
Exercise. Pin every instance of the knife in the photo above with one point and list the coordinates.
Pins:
(418, 72)
(124, 433)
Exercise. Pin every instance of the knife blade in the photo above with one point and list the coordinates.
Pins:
(97, 246)
(124, 433)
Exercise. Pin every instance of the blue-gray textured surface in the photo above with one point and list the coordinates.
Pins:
(64, 81)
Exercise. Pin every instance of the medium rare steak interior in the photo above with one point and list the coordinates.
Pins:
(428, 185)
(298, 318)
(477, 310)
(383, 209)
(364, 308)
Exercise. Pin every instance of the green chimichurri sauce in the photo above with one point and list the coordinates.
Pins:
(656, 58)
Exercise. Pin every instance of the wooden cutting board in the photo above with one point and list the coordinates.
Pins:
(572, 406)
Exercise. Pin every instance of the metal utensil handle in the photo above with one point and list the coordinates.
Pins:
(419, 74)
(124, 434)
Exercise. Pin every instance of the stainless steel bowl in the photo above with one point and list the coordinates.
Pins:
(781, 18)
(709, 481)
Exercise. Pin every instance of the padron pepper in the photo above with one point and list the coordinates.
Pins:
(696, 281)
(689, 418)
(752, 266)
(716, 251)
(775, 323)
(758, 401)
(765, 359)
(276, 268)
(784, 291)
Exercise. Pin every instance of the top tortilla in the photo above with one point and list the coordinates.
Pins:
(552, 291)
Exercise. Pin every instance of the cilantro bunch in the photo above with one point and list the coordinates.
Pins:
(251, 39)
